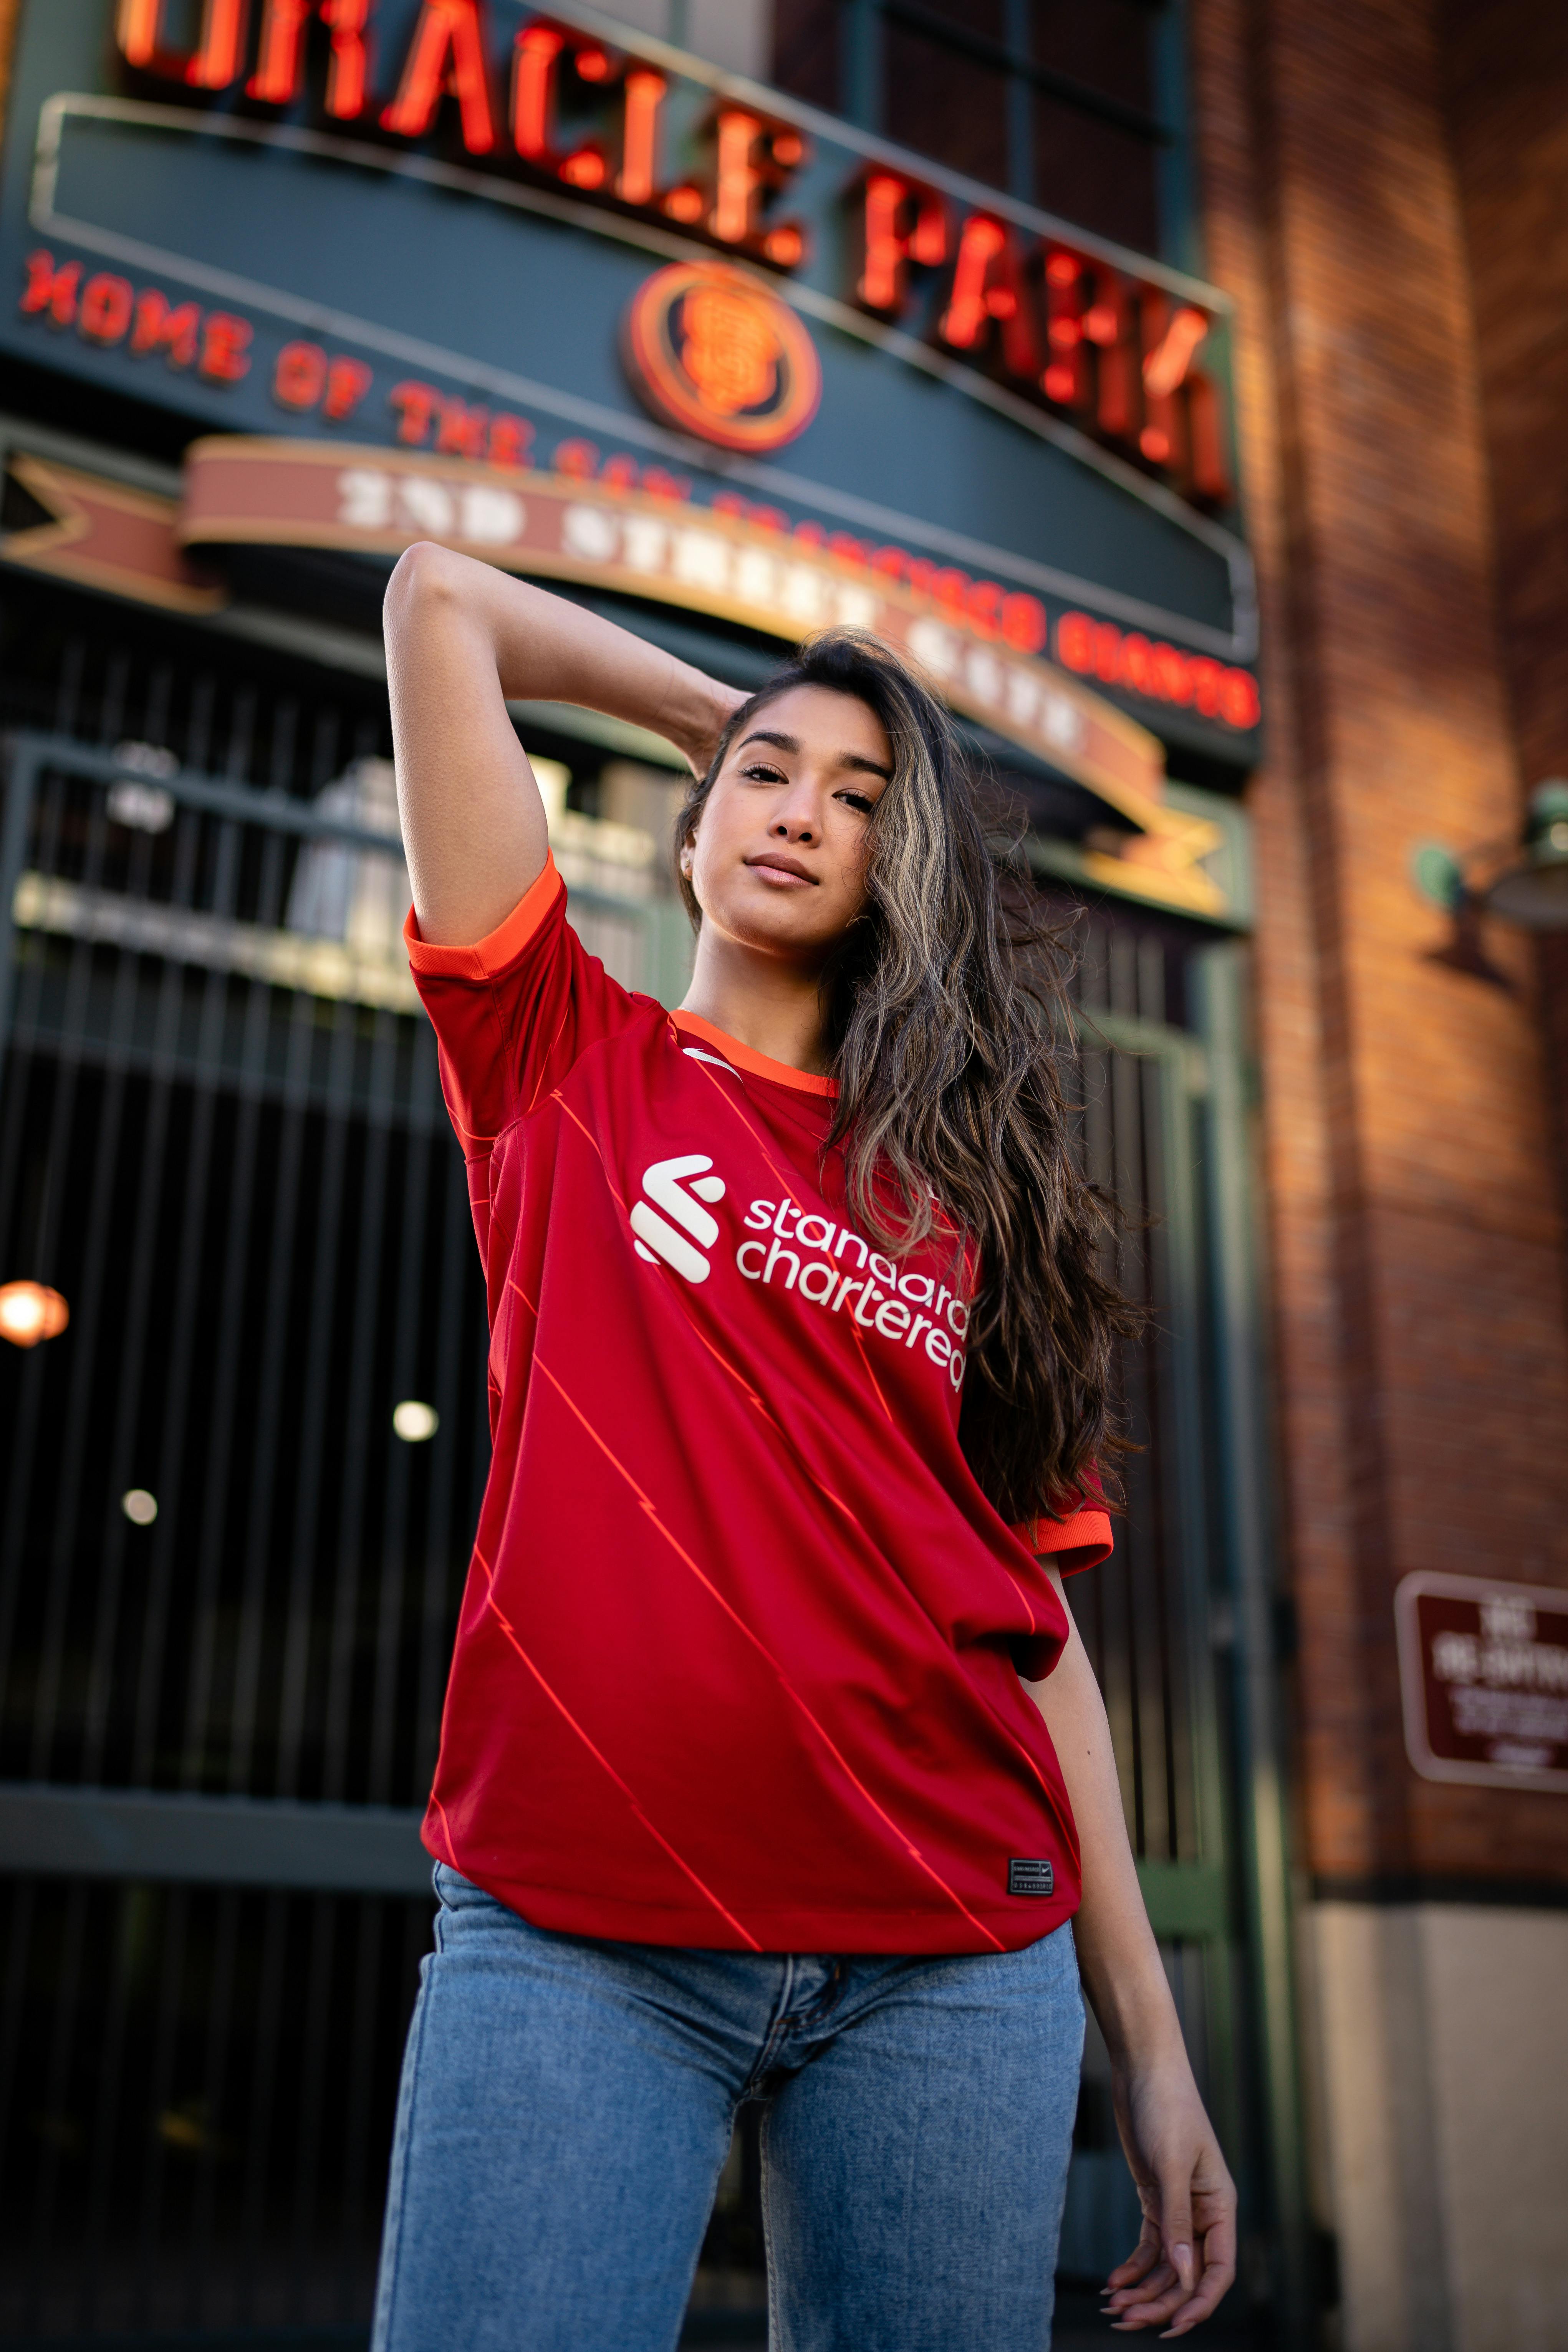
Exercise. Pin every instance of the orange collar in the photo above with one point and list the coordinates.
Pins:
(782, 1073)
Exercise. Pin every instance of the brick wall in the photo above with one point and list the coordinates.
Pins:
(1507, 91)
(1416, 1248)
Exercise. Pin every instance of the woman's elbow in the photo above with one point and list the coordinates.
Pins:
(425, 578)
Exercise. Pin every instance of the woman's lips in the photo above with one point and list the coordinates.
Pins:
(782, 870)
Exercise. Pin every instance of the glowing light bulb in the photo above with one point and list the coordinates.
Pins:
(139, 1506)
(31, 1311)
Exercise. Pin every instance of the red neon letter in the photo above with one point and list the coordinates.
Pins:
(510, 439)
(1075, 643)
(348, 381)
(299, 377)
(224, 341)
(279, 64)
(416, 404)
(51, 289)
(739, 178)
(988, 284)
(106, 307)
(534, 53)
(447, 54)
(888, 248)
(639, 143)
(159, 328)
(217, 54)
(462, 429)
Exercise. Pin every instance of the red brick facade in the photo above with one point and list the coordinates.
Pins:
(1382, 189)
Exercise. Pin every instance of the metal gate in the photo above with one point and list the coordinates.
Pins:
(227, 1584)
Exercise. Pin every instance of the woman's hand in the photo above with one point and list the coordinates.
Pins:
(698, 737)
(1185, 2255)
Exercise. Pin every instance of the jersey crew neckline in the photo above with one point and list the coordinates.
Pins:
(735, 1663)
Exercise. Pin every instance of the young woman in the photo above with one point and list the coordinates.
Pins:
(773, 1766)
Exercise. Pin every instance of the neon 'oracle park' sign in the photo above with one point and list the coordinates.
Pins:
(1060, 324)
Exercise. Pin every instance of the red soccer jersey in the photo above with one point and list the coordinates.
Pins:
(735, 1665)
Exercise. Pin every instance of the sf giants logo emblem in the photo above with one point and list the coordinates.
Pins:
(668, 1186)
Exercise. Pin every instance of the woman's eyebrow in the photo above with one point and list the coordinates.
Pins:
(792, 743)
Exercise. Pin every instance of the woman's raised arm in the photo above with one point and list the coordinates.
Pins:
(461, 640)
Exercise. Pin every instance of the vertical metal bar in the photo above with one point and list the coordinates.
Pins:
(1240, 1371)
(860, 22)
(1016, 30)
(318, 2020)
(261, 2106)
(20, 791)
(382, 1744)
(12, 2014)
(275, 1307)
(165, 2046)
(364, 1379)
(110, 2088)
(297, 1657)
(444, 1540)
(371, 1938)
(1132, 1202)
(83, 1436)
(155, 1662)
(68, 2020)
(1181, 231)
(224, 1380)
(143, 1266)
(76, 1421)
(214, 2077)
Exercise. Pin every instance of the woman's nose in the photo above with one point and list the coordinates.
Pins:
(789, 827)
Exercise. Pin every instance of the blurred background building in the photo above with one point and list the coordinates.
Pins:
(1181, 382)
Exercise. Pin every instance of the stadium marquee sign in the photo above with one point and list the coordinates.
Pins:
(1115, 351)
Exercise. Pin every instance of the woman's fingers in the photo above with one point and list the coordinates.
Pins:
(1144, 2253)
(1218, 2271)
(1184, 2259)
(1176, 2224)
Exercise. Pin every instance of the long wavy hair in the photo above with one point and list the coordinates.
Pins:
(950, 1032)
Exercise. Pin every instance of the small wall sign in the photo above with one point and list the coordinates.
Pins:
(1483, 1671)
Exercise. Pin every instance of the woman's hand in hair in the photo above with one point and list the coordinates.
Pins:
(1185, 2255)
(700, 743)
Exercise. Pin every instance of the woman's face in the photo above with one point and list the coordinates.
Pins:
(778, 857)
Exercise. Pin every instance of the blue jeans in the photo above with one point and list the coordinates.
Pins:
(567, 2105)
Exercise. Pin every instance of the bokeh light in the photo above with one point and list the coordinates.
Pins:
(31, 1311)
(414, 1421)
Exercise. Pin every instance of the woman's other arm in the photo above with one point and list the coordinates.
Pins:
(1185, 2257)
(461, 640)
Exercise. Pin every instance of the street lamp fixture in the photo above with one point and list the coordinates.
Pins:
(1531, 892)
(1536, 893)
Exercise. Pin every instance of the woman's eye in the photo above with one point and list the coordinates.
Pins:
(761, 775)
(858, 801)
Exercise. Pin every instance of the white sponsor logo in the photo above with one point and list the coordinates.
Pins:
(668, 1185)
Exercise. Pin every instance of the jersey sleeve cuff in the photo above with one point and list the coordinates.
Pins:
(500, 948)
(1071, 1544)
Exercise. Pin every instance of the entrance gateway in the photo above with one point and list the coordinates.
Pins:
(729, 370)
